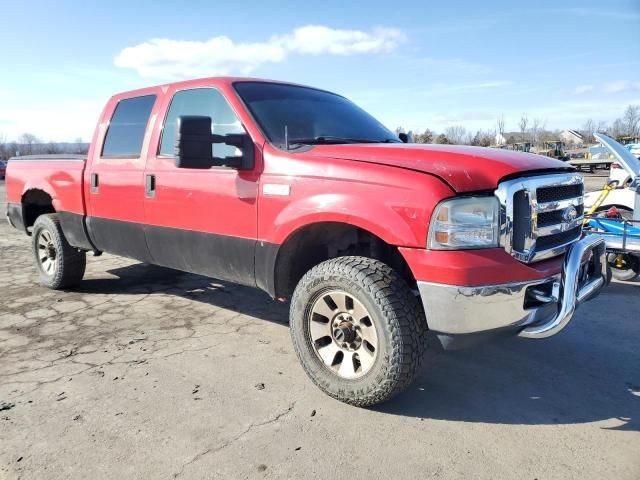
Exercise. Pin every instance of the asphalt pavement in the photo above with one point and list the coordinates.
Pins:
(145, 372)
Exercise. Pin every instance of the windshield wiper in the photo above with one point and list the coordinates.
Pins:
(333, 140)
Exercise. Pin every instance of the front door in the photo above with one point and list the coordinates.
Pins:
(201, 221)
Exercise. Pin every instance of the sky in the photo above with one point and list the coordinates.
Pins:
(416, 64)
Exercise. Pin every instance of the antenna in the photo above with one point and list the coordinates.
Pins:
(286, 137)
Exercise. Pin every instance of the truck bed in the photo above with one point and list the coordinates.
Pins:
(590, 163)
(59, 177)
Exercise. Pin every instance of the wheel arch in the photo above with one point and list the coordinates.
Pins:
(603, 208)
(313, 243)
(35, 202)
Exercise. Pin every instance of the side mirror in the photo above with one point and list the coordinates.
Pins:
(404, 138)
(194, 141)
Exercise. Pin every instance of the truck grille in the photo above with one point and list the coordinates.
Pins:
(541, 216)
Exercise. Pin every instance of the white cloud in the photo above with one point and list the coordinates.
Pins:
(167, 58)
(580, 89)
(317, 39)
(622, 86)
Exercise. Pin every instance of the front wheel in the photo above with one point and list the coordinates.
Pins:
(357, 329)
(59, 264)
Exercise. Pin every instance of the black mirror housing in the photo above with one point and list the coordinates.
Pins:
(193, 148)
(194, 140)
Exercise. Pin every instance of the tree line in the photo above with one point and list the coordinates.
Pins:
(529, 130)
(29, 144)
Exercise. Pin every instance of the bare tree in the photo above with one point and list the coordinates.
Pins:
(500, 127)
(617, 129)
(483, 138)
(524, 121)
(425, 137)
(588, 129)
(28, 141)
(456, 134)
(52, 148)
(631, 120)
(77, 147)
(536, 127)
(442, 138)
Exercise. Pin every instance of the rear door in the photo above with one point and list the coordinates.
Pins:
(201, 221)
(115, 178)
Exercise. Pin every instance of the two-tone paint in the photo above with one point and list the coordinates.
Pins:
(232, 224)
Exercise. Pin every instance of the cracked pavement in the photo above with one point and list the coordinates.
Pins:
(145, 372)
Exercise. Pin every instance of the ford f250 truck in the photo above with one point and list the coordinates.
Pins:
(299, 192)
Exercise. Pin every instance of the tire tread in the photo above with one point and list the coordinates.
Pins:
(403, 320)
(72, 262)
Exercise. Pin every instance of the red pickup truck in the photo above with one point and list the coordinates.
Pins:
(298, 192)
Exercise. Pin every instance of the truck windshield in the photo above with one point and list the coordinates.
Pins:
(309, 116)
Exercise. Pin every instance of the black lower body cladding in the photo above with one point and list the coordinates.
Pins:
(15, 217)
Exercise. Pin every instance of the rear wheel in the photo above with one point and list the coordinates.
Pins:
(59, 264)
(357, 329)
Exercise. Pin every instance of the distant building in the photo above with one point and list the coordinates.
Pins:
(507, 138)
(571, 137)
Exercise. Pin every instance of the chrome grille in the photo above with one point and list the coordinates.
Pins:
(540, 216)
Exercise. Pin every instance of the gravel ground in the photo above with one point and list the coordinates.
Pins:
(145, 372)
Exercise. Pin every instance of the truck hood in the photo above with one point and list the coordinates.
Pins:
(464, 168)
(629, 162)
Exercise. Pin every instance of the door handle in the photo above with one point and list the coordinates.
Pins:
(150, 186)
(95, 185)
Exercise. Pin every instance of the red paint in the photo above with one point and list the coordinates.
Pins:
(475, 267)
(389, 190)
(466, 169)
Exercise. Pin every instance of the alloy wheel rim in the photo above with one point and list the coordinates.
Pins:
(342, 334)
(47, 254)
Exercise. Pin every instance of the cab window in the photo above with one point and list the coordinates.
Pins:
(127, 127)
(206, 102)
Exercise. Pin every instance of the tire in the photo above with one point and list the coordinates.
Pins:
(392, 310)
(630, 270)
(59, 264)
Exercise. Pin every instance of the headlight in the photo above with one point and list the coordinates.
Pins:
(464, 223)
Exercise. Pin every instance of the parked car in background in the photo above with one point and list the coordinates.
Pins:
(301, 193)
(623, 199)
(620, 175)
(3, 169)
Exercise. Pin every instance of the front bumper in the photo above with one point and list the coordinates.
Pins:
(533, 309)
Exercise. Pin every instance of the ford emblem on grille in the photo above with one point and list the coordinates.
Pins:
(540, 216)
(570, 214)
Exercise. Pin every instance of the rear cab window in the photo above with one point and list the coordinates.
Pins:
(127, 127)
